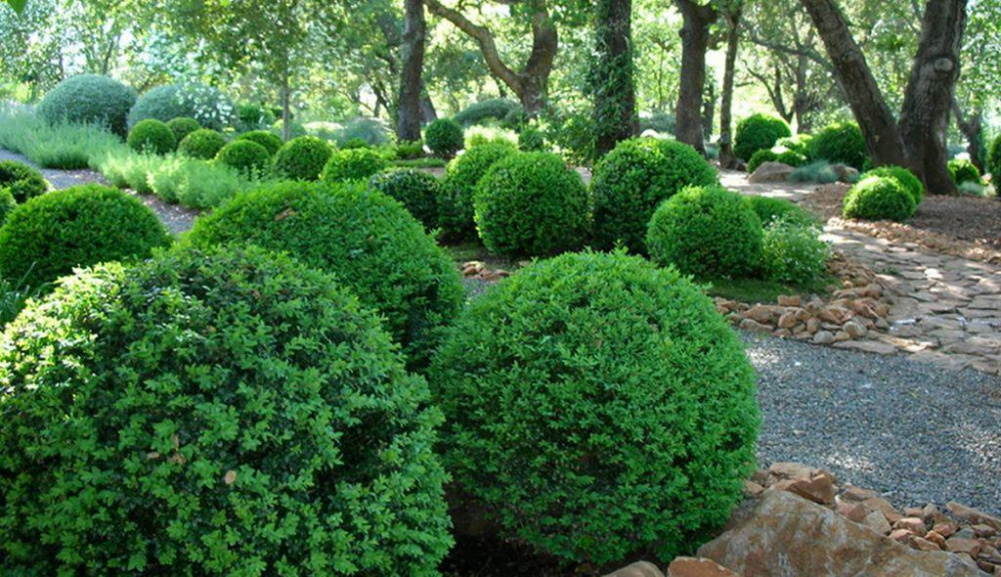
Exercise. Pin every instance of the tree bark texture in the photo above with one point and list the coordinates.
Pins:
(614, 87)
(409, 114)
(694, 44)
(727, 158)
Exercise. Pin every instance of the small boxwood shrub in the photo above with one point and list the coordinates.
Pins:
(760, 157)
(444, 137)
(790, 158)
(530, 139)
(879, 198)
(799, 144)
(48, 236)
(456, 214)
(793, 253)
(214, 412)
(246, 156)
(302, 158)
(21, 180)
(634, 178)
(410, 150)
(152, 136)
(840, 143)
(365, 238)
(532, 204)
(590, 397)
(962, 171)
(89, 99)
(7, 204)
(271, 142)
(210, 107)
(994, 160)
(905, 177)
(415, 189)
(758, 132)
(708, 232)
(355, 143)
(353, 164)
(495, 109)
(771, 209)
(182, 127)
(204, 144)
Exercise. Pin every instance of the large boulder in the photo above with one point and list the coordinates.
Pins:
(786, 535)
(770, 172)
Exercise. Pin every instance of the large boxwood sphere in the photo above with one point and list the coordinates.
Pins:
(302, 158)
(368, 240)
(353, 164)
(415, 189)
(532, 204)
(879, 198)
(444, 137)
(708, 232)
(840, 143)
(597, 407)
(213, 413)
(457, 187)
(758, 132)
(23, 181)
(246, 156)
(634, 178)
(204, 144)
(183, 126)
(905, 177)
(152, 136)
(50, 235)
(90, 99)
(272, 142)
(206, 104)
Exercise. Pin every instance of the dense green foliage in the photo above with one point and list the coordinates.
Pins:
(246, 156)
(793, 253)
(994, 160)
(7, 204)
(365, 238)
(89, 99)
(269, 141)
(495, 109)
(152, 136)
(49, 236)
(791, 158)
(62, 145)
(591, 397)
(906, 178)
(204, 144)
(302, 158)
(530, 139)
(800, 144)
(963, 171)
(226, 412)
(183, 126)
(770, 209)
(254, 116)
(353, 164)
(415, 189)
(458, 186)
(879, 198)
(444, 137)
(758, 132)
(632, 180)
(210, 107)
(532, 204)
(841, 143)
(372, 131)
(22, 181)
(760, 157)
(707, 232)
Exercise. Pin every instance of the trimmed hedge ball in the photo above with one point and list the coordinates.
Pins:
(632, 180)
(246, 156)
(590, 397)
(840, 143)
(415, 189)
(204, 144)
(214, 412)
(48, 236)
(89, 99)
(532, 204)
(962, 171)
(302, 158)
(183, 126)
(444, 137)
(271, 142)
(879, 198)
(21, 180)
(152, 136)
(456, 214)
(758, 132)
(760, 157)
(906, 178)
(206, 104)
(365, 238)
(353, 164)
(708, 232)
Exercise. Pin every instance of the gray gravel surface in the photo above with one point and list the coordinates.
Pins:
(915, 432)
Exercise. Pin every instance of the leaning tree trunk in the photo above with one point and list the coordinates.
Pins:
(727, 159)
(614, 88)
(694, 44)
(428, 112)
(408, 126)
(924, 118)
(972, 128)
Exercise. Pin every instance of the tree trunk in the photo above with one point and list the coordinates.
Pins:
(924, 118)
(614, 88)
(286, 110)
(694, 44)
(972, 128)
(708, 108)
(727, 159)
(408, 127)
(428, 112)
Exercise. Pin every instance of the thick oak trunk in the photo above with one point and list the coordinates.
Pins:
(614, 88)
(694, 44)
(727, 159)
(409, 114)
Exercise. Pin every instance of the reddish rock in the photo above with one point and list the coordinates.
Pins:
(936, 538)
(884, 507)
(981, 530)
(761, 313)
(853, 493)
(901, 535)
(639, 569)
(876, 521)
(973, 516)
(787, 321)
(947, 529)
(786, 470)
(820, 489)
(753, 325)
(912, 524)
(753, 489)
(969, 546)
(851, 510)
(698, 567)
(790, 301)
(812, 325)
(922, 544)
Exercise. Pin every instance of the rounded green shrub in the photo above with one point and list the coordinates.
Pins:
(254, 117)
(353, 164)
(152, 136)
(409, 150)
(840, 143)
(246, 156)
(590, 397)
(994, 160)
(496, 109)
(271, 142)
(906, 178)
(210, 107)
(48, 236)
(632, 180)
(799, 144)
(758, 132)
(302, 158)
(708, 232)
(790, 158)
(532, 204)
(760, 157)
(771, 209)
(7, 204)
(355, 142)
(21, 180)
(89, 99)
(182, 127)
(879, 198)
(793, 253)
(456, 214)
(963, 171)
(204, 144)
(368, 240)
(222, 412)
(444, 137)
(415, 189)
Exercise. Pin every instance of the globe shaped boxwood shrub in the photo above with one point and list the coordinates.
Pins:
(841, 143)
(878, 198)
(708, 232)
(89, 99)
(152, 136)
(415, 189)
(236, 412)
(963, 171)
(183, 126)
(21, 180)
(791, 158)
(760, 157)
(590, 397)
(250, 158)
(532, 204)
(456, 214)
(270, 141)
(204, 144)
(906, 178)
(365, 238)
(353, 164)
(210, 107)
(254, 116)
(634, 178)
(758, 132)
(49, 236)
(302, 158)
(444, 137)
